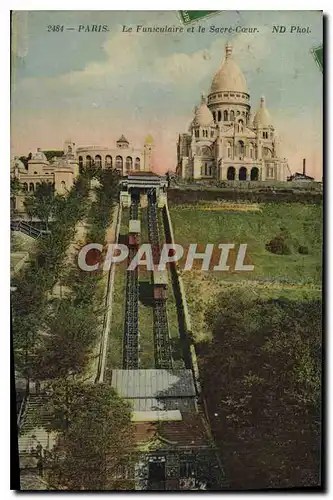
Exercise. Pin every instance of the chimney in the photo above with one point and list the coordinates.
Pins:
(304, 161)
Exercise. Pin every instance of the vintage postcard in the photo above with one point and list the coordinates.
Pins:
(166, 249)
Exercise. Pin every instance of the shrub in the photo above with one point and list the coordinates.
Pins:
(278, 245)
(302, 249)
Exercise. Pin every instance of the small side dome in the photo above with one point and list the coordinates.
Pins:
(203, 115)
(123, 139)
(17, 164)
(262, 117)
(39, 155)
(149, 139)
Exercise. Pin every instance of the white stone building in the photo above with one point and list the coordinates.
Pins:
(223, 142)
(64, 167)
(123, 156)
(60, 171)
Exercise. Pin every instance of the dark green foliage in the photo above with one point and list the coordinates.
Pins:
(261, 377)
(302, 249)
(25, 160)
(52, 153)
(33, 282)
(71, 333)
(96, 435)
(15, 186)
(41, 203)
(278, 245)
(66, 347)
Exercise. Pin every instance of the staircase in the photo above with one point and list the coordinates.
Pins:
(27, 229)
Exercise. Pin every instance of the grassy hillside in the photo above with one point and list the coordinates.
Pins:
(302, 224)
(296, 276)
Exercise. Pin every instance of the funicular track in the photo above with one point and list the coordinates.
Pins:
(163, 358)
(131, 327)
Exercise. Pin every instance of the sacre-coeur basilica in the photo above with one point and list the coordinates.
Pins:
(224, 142)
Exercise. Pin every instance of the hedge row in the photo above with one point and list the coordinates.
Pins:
(73, 330)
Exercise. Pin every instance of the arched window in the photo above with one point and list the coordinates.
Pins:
(214, 116)
(80, 163)
(31, 187)
(137, 164)
(240, 148)
(254, 174)
(25, 186)
(108, 161)
(197, 133)
(231, 174)
(119, 163)
(129, 163)
(232, 115)
(98, 161)
(88, 161)
(229, 146)
(212, 133)
(242, 174)
(225, 116)
(219, 116)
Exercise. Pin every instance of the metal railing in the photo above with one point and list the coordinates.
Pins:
(27, 229)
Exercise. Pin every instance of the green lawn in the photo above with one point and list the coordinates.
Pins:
(302, 222)
(294, 276)
(171, 308)
(115, 342)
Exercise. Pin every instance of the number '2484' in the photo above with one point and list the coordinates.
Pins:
(55, 27)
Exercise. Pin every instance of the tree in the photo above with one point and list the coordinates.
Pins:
(15, 186)
(70, 333)
(41, 203)
(96, 435)
(25, 160)
(262, 381)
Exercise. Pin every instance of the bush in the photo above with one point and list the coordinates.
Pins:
(278, 245)
(302, 249)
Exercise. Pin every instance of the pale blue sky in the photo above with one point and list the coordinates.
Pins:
(95, 86)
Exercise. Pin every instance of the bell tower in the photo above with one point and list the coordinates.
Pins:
(69, 148)
(148, 148)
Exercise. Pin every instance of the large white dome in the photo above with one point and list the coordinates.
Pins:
(229, 76)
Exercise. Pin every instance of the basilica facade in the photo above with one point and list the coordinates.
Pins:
(224, 142)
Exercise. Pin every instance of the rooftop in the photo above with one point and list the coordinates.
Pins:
(160, 277)
(134, 226)
(153, 383)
